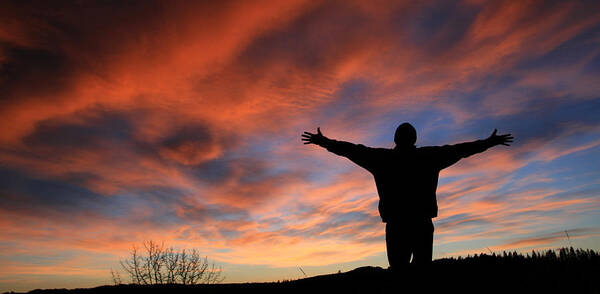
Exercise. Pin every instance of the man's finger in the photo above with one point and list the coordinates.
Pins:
(494, 132)
(307, 143)
(307, 136)
(319, 131)
(307, 133)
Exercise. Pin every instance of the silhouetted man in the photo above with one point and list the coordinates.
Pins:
(406, 178)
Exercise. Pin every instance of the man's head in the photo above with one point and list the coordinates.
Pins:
(405, 136)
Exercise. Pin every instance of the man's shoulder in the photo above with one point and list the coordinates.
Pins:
(428, 148)
(375, 149)
(432, 150)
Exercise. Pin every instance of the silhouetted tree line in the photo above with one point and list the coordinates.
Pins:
(564, 270)
(559, 256)
(155, 264)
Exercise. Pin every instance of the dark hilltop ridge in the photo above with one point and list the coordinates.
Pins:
(567, 270)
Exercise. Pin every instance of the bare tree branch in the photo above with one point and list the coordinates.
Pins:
(161, 265)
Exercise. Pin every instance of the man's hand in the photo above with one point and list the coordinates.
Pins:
(318, 138)
(500, 140)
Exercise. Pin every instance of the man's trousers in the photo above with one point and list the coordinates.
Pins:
(409, 237)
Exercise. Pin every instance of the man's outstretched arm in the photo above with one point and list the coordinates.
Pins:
(355, 152)
(453, 153)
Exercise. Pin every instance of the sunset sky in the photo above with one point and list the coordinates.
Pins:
(180, 121)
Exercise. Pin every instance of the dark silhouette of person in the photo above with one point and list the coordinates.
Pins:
(406, 178)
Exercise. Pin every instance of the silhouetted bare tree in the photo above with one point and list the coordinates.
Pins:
(160, 265)
(116, 277)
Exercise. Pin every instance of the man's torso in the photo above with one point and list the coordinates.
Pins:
(406, 182)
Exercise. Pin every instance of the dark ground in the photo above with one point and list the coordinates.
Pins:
(569, 271)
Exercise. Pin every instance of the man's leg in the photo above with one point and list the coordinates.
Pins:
(398, 250)
(423, 245)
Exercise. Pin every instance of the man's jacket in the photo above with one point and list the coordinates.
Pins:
(406, 179)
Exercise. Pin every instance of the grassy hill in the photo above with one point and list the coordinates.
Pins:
(563, 271)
